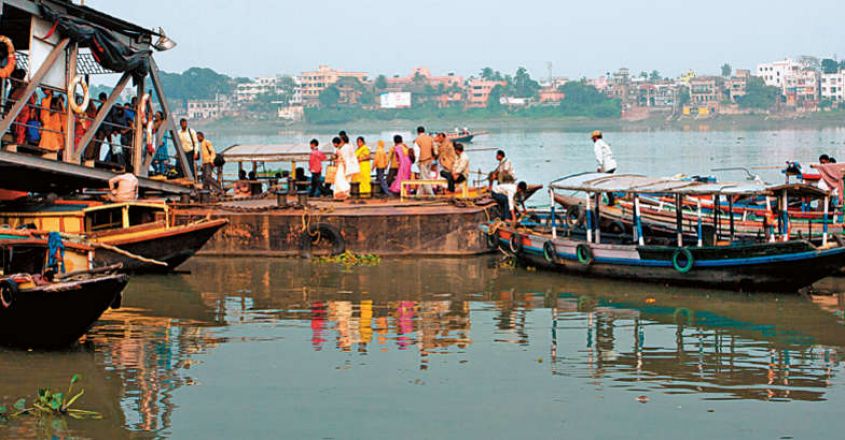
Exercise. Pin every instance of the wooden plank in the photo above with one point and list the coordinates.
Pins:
(101, 116)
(33, 85)
(138, 139)
(171, 124)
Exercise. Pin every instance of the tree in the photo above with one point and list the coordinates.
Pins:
(493, 101)
(583, 99)
(329, 97)
(758, 95)
(381, 82)
(829, 66)
(644, 75)
(196, 83)
(523, 86)
(726, 70)
(654, 76)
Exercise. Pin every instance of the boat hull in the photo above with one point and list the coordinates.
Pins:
(57, 316)
(173, 246)
(782, 267)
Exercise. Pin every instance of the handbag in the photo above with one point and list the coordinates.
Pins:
(219, 161)
(331, 172)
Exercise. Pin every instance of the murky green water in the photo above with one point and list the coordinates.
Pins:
(442, 348)
(460, 348)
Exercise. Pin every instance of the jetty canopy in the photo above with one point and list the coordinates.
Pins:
(639, 184)
(270, 153)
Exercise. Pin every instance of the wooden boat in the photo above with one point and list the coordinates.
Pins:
(141, 228)
(783, 266)
(39, 309)
(658, 215)
(464, 137)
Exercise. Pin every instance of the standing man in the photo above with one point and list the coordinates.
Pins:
(188, 140)
(460, 169)
(446, 152)
(505, 168)
(604, 158)
(315, 166)
(426, 153)
(208, 156)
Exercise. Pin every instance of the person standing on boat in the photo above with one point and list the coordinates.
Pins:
(400, 151)
(604, 158)
(445, 152)
(315, 166)
(381, 162)
(209, 154)
(347, 167)
(364, 176)
(189, 142)
(426, 153)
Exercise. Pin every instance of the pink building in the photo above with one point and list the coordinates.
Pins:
(478, 92)
(425, 74)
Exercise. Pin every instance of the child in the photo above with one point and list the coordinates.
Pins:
(315, 165)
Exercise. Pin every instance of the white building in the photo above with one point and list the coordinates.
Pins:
(209, 108)
(774, 74)
(832, 85)
(394, 100)
(291, 113)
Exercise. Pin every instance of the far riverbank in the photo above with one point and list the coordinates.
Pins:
(810, 121)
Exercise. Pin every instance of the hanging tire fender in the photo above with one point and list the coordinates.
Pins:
(574, 215)
(682, 260)
(584, 254)
(516, 243)
(550, 252)
(8, 293)
(319, 231)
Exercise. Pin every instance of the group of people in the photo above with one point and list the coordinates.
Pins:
(429, 157)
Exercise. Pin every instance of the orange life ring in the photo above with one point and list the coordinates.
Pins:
(146, 109)
(11, 60)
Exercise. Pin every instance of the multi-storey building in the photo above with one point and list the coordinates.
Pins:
(313, 83)
(833, 86)
(775, 74)
(478, 92)
(208, 108)
(802, 88)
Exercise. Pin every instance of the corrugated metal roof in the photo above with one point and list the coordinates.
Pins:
(270, 153)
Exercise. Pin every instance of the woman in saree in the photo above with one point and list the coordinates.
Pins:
(341, 184)
(53, 120)
(364, 177)
(400, 150)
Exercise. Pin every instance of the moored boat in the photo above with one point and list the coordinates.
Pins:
(145, 229)
(40, 308)
(783, 266)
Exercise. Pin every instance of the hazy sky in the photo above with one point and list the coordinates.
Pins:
(255, 37)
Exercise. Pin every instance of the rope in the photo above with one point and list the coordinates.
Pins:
(128, 254)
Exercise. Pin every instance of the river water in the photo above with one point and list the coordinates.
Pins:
(459, 348)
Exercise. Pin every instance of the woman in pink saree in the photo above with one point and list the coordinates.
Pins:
(404, 173)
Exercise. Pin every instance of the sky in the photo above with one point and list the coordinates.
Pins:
(584, 38)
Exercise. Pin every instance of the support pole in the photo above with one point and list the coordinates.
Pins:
(598, 217)
(589, 220)
(33, 85)
(138, 129)
(824, 221)
(731, 213)
(553, 222)
(104, 111)
(785, 215)
(700, 232)
(716, 221)
(638, 221)
(171, 124)
(679, 220)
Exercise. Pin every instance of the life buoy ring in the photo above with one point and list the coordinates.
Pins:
(682, 260)
(549, 252)
(11, 58)
(574, 216)
(79, 109)
(8, 292)
(515, 243)
(147, 110)
(320, 231)
(584, 254)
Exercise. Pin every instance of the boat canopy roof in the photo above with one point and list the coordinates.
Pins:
(638, 184)
(269, 153)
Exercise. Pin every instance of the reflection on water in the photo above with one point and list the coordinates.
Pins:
(226, 329)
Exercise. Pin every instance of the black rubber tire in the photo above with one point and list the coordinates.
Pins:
(616, 228)
(515, 244)
(574, 216)
(689, 260)
(584, 254)
(549, 252)
(492, 240)
(323, 231)
(8, 293)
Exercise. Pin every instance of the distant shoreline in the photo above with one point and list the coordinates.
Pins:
(813, 121)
